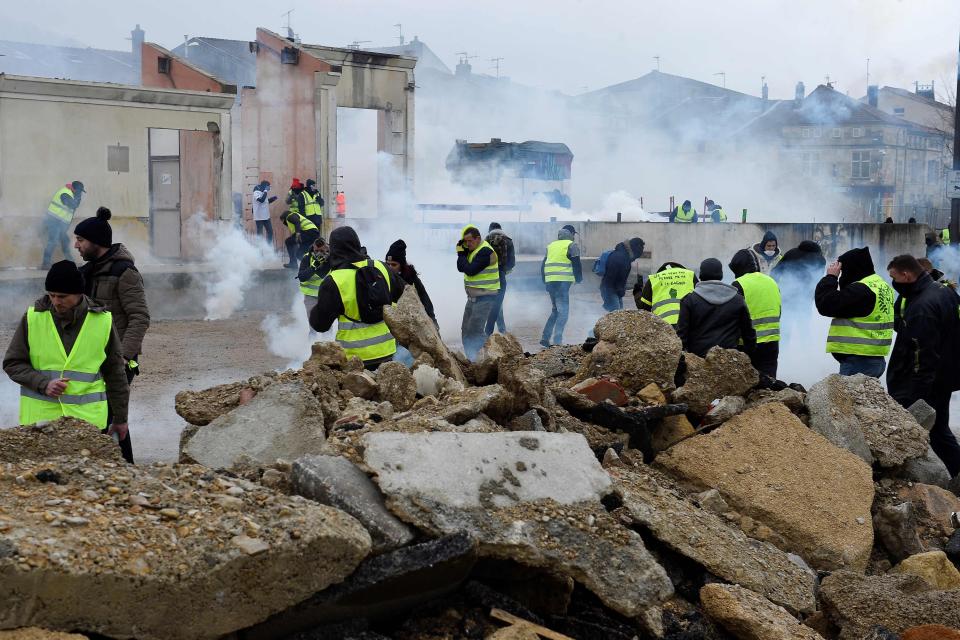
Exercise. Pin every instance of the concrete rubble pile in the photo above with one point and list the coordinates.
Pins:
(628, 491)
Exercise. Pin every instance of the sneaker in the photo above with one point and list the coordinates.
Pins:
(545, 343)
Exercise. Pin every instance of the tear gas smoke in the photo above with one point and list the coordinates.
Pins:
(289, 336)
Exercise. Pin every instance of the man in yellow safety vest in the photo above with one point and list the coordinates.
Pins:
(338, 299)
(67, 358)
(313, 203)
(63, 206)
(684, 213)
(314, 267)
(762, 295)
(303, 233)
(663, 291)
(477, 261)
(560, 269)
(861, 305)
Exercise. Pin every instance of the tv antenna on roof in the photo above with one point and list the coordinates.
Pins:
(496, 64)
(289, 29)
(464, 58)
(657, 58)
(356, 44)
(723, 77)
(399, 36)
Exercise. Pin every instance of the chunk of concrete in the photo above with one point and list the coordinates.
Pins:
(116, 550)
(528, 497)
(413, 328)
(337, 482)
(934, 567)
(923, 413)
(66, 436)
(724, 372)
(855, 413)
(928, 469)
(497, 348)
(769, 466)
(361, 384)
(395, 384)
(750, 616)
(709, 541)
(282, 421)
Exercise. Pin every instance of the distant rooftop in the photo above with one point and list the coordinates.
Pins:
(72, 63)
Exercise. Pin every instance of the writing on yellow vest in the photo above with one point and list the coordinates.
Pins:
(870, 335)
(668, 287)
(365, 341)
(762, 296)
(85, 397)
(56, 208)
(558, 266)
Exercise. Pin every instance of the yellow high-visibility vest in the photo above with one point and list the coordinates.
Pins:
(668, 288)
(311, 286)
(684, 216)
(305, 223)
(870, 335)
(86, 394)
(366, 341)
(311, 204)
(489, 278)
(762, 296)
(56, 208)
(558, 267)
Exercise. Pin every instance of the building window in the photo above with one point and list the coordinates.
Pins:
(898, 111)
(163, 65)
(810, 164)
(856, 132)
(118, 159)
(805, 132)
(861, 165)
(933, 171)
(916, 170)
(817, 131)
(836, 132)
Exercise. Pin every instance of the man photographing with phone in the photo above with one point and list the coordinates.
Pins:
(67, 359)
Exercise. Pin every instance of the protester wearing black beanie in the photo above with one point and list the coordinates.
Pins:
(64, 277)
(398, 252)
(97, 229)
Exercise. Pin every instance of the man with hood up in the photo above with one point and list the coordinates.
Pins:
(664, 290)
(684, 213)
(312, 203)
(762, 296)
(506, 260)
(560, 269)
(714, 315)
(923, 364)
(767, 252)
(861, 305)
(337, 300)
(261, 210)
(613, 284)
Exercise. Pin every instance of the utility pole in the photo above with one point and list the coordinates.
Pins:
(868, 73)
(496, 63)
(955, 201)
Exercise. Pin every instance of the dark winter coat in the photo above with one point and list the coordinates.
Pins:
(846, 297)
(922, 362)
(114, 283)
(345, 249)
(16, 361)
(409, 275)
(798, 271)
(715, 315)
(613, 284)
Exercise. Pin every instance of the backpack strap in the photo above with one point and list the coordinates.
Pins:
(120, 266)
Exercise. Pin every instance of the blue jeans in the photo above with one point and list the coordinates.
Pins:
(872, 366)
(56, 233)
(403, 356)
(560, 311)
(496, 315)
(472, 329)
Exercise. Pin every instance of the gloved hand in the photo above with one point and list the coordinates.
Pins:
(272, 199)
(460, 247)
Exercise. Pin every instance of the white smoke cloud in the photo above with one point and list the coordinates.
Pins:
(289, 336)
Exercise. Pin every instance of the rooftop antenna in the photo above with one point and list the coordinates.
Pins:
(399, 36)
(496, 64)
(356, 44)
(289, 29)
(868, 72)
(657, 58)
(723, 77)
(464, 58)
(827, 81)
(763, 82)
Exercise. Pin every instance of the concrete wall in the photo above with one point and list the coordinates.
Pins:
(47, 141)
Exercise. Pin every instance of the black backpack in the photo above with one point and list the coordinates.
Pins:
(373, 293)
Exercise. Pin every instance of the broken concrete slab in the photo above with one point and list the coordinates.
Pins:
(559, 361)
(937, 502)
(33, 633)
(394, 582)
(769, 466)
(723, 410)
(282, 421)
(413, 328)
(724, 372)
(853, 410)
(497, 348)
(361, 384)
(528, 497)
(635, 347)
(149, 541)
(927, 469)
(709, 541)
(895, 527)
(395, 384)
(923, 413)
(669, 431)
(750, 616)
(337, 482)
(856, 603)
(326, 354)
(934, 567)
(791, 398)
(66, 436)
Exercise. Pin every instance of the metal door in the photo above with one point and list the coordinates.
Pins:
(165, 207)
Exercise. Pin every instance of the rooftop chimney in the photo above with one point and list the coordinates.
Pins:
(873, 95)
(464, 68)
(799, 93)
(137, 36)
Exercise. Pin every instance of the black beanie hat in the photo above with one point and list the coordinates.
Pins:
(97, 229)
(398, 252)
(711, 269)
(64, 277)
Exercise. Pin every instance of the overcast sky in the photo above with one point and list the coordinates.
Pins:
(567, 45)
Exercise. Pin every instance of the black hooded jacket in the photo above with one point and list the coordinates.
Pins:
(853, 299)
(767, 263)
(345, 249)
(799, 268)
(922, 363)
(614, 281)
(714, 315)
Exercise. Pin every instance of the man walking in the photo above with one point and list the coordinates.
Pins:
(713, 315)
(63, 206)
(67, 359)
(762, 296)
(616, 271)
(560, 269)
(261, 210)
(113, 282)
(477, 261)
(923, 363)
(861, 305)
(506, 260)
